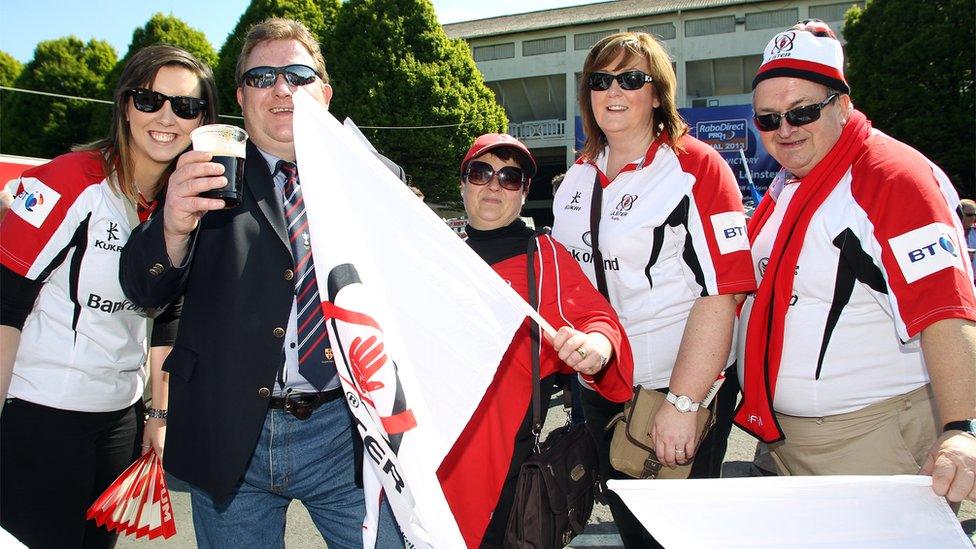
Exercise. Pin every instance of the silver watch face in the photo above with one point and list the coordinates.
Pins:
(683, 403)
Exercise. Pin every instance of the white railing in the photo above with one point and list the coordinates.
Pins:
(538, 129)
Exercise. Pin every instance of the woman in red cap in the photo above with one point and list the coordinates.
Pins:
(480, 473)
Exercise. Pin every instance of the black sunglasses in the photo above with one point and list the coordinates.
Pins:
(509, 177)
(265, 77)
(630, 80)
(800, 116)
(151, 101)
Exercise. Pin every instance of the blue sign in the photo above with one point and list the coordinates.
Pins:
(729, 129)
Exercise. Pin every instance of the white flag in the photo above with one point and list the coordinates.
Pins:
(417, 321)
(835, 512)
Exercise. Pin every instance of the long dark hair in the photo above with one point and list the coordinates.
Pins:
(140, 71)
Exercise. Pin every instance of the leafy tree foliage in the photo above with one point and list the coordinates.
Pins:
(306, 11)
(41, 126)
(9, 69)
(392, 65)
(911, 72)
(166, 29)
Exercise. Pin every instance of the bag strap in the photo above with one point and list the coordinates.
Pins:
(596, 207)
(535, 335)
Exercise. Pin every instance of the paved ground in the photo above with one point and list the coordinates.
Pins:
(301, 533)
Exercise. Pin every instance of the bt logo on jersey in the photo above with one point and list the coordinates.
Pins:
(944, 242)
(926, 250)
(35, 201)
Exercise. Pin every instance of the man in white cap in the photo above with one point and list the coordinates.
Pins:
(858, 350)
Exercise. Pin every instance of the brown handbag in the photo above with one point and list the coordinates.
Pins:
(631, 449)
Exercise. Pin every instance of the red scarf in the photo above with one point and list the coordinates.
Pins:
(767, 321)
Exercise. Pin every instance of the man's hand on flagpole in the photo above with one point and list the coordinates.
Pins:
(952, 464)
(585, 353)
(194, 174)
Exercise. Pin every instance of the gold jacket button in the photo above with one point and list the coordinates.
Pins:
(264, 392)
(279, 332)
(157, 269)
(289, 274)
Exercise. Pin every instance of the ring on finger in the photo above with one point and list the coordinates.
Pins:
(581, 351)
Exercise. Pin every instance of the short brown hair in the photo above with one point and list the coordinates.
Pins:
(277, 28)
(634, 45)
(140, 71)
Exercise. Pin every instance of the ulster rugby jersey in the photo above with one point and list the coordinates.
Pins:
(83, 345)
(672, 229)
(881, 261)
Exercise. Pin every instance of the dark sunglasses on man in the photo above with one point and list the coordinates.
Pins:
(151, 101)
(800, 116)
(480, 173)
(265, 77)
(630, 80)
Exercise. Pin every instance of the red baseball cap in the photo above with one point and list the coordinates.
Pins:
(490, 141)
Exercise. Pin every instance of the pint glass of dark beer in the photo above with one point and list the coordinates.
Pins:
(228, 145)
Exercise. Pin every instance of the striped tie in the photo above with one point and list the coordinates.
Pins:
(315, 361)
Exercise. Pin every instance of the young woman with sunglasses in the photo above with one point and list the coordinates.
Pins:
(479, 474)
(671, 231)
(73, 345)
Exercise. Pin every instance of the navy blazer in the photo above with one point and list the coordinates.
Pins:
(237, 286)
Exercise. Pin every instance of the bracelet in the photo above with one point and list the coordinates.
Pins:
(156, 413)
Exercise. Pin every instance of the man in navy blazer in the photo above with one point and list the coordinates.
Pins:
(246, 428)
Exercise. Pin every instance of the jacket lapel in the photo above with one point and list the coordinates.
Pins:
(258, 182)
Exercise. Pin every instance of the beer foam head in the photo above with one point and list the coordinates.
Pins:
(220, 139)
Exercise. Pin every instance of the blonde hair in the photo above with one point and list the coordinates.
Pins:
(277, 28)
(634, 46)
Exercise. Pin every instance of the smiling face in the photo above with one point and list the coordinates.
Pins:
(156, 138)
(268, 111)
(800, 148)
(491, 206)
(625, 114)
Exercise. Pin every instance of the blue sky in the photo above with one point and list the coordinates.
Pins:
(24, 23)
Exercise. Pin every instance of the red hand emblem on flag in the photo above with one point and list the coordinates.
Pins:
(366, 360)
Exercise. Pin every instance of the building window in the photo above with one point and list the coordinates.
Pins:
(725, 76)
(664, 31)
(544, 45)
(712, 25)
(586, 40)
(495, 51)
(832, 12)
(779, 19)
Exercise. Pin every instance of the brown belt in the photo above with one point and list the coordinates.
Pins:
(301, 405)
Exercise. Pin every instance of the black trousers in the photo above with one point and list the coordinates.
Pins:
(708, 459)
(54, 464)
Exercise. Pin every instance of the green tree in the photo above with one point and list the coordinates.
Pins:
(911, 72)
(9, 69)
(306, 11)
(392, 65)
(166, 29)
(42, 126)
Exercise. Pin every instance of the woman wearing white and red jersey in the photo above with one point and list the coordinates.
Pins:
(480, 473)
(73, 345)
(673, 244)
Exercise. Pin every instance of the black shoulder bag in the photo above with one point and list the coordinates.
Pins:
(558, 482)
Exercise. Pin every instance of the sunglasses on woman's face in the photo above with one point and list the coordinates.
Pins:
(800, 116)
(151, 101)
(265, 77)
(509, 177)
(630, 80)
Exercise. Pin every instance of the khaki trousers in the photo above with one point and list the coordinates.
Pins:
(891, 437)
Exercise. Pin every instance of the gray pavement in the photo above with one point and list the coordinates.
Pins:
(300, 533)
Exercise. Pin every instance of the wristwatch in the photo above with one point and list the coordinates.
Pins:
(683, 403)
(965, 425)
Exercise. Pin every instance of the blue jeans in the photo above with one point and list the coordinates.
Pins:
(309, 460)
